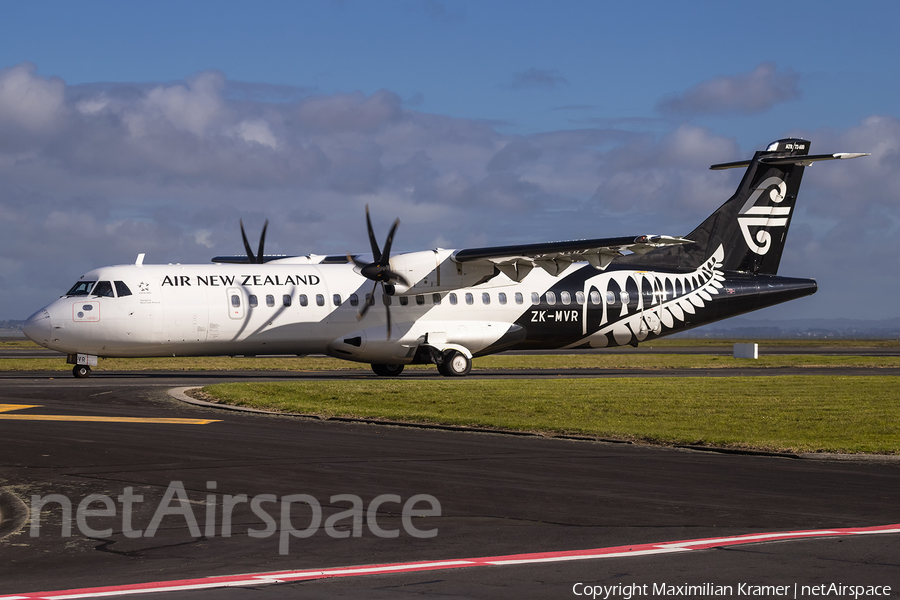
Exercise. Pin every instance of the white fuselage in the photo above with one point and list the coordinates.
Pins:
(301, 308)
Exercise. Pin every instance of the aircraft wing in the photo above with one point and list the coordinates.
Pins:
(555, 257)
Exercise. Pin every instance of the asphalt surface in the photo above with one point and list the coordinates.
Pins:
(498, 495)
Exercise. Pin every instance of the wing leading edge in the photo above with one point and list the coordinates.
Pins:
(555, 257)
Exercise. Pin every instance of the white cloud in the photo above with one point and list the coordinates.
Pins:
(746, 93)
(194, 107)
(114, 170)
(29, 101)
(256, 131)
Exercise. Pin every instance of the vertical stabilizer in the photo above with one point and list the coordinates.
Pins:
(752, 225)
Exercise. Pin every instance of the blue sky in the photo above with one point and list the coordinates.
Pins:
(154, 127)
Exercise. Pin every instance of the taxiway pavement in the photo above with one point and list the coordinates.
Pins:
(498, 494)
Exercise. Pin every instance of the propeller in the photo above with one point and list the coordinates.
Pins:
(378, 271)
(258, 259)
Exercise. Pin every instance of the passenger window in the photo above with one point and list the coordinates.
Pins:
(404, 300)
(320, 300)
(624, 297)
(386, 300)
(252, 301)
(303, 300)
(485, 298)
(82, 288)
(235, 301)
(551, 298)
(420, 300)
(436, 298)
(453, 299)
(337, 299)
(579, 297)
(595, 297)
(370, 300)
(535, 298)
(610, 297)
(122, 289)
(104, 289)
(519, 298)
(354, 300)
(270, 300)
(501, 298)
(470, 299)
(286, 299)
(566, 298)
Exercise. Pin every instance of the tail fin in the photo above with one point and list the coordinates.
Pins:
(752, 225)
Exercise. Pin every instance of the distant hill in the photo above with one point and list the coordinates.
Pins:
(11, 328)
(744, 328)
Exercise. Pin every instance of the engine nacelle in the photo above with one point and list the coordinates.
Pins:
(434, 271)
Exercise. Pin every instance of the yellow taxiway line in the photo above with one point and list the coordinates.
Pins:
(5, 408)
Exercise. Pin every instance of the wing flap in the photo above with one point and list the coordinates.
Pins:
(555, 257)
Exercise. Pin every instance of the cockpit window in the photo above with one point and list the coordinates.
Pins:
(122, 289)
(104, 288)
(82, 288)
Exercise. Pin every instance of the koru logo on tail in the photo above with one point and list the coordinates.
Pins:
(765, 216)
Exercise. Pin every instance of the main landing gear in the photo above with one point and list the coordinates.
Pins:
(450, 363)
(454, 364)
(81, 371)
(387, 370)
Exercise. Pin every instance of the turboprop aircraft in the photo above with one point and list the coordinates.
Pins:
(445, 307)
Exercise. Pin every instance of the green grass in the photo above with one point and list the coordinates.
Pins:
(598, 360)
(793, 414)
(799, 414)
(781, 343)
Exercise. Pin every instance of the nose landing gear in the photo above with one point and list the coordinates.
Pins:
(81, 371)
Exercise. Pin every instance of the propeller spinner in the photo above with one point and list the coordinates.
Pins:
(378, 271)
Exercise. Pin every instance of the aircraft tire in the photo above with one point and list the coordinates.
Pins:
(455, 364)
(387, 370)
(81, 371)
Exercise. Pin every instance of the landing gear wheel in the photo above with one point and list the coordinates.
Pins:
(387, 370)
(81, 371)
(455, 364)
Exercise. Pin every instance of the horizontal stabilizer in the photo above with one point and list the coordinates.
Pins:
(804, 161)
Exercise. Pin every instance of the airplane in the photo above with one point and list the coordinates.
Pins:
(445, 307)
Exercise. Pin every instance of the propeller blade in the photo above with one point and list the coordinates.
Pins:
(356, 261)
(367, 302)
(262, 242)
(376, 253)
(250, 257)
(379, 271)
(394, 277)
(388, 243)
(387, 308)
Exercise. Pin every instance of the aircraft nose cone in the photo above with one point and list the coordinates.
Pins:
(38, 327)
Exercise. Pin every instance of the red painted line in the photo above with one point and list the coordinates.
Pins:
(256, 579)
